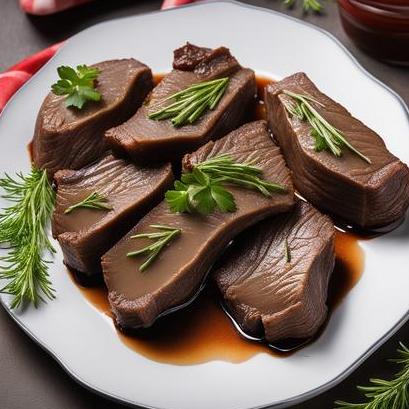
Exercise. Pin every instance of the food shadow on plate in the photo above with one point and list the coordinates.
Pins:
(401, 231)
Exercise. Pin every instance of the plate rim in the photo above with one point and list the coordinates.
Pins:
(284, 403)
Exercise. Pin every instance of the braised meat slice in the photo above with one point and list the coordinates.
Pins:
(149, 140)
(274, 278)
(127, 192)
(138, 298)
(69, 138)
(366, 195)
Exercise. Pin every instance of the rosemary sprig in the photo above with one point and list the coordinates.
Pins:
(383, 394)
(23, 227)
(308, 5)
(287, 251)
(191, 103)
(203, 189)
(165, 235)
(326, 136)
(93, 201)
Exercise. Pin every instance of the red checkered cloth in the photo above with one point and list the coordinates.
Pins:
(44, 7)
(13, 78)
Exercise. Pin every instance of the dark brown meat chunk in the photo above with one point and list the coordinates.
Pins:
(86, 234)
(136, 298)
(148, 140)
(69, 138)
(268, 295)
(367, 195)
(188, 56)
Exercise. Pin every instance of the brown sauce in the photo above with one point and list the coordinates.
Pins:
(157, 78)
(349, 266)
(203, 332)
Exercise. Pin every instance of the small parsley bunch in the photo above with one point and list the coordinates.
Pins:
(204, 188)
(78, 85)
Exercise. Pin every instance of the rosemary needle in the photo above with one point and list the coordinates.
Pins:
(161, 238)
(191, 103)
(326, 136)
(93, 201)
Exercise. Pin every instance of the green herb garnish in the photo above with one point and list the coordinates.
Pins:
(287, 250)
(191, 103)
(78, 85)
(308, 5)
(93, 201)
(203, 189)
(383, 394)
(23, 227)
(326, 136)
(165, 235)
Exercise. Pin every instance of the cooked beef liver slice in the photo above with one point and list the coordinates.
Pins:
(86, 234)
(367, 195)
(69, 138)
(136, 298)
(269, 296)
(148, 140)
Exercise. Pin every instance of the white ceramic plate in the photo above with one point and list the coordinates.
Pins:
(82, 341)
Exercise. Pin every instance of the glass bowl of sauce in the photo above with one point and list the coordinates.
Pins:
(378, 27)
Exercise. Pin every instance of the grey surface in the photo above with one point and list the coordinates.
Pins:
(30, 378)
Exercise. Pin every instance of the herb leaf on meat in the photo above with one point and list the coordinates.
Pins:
(94, 201)
(326, 136)
(162, 238)
(78, 85)
(190, 104)
(204, 188)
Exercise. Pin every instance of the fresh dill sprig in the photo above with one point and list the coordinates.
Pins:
(191, 103)
(165, 235)
(308, 5)
(94, 201)
(384, 394)
(23, 227)
(326, 136)
(77, 84)
(203, 189)
(287, 251)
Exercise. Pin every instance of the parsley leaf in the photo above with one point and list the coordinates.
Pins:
(197, 192)
(178, 199)
(203, 189)
(223, 198)
(78, 85)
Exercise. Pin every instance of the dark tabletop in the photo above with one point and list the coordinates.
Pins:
(29, 377)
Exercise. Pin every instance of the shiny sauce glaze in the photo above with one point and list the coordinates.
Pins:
(203, 332)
